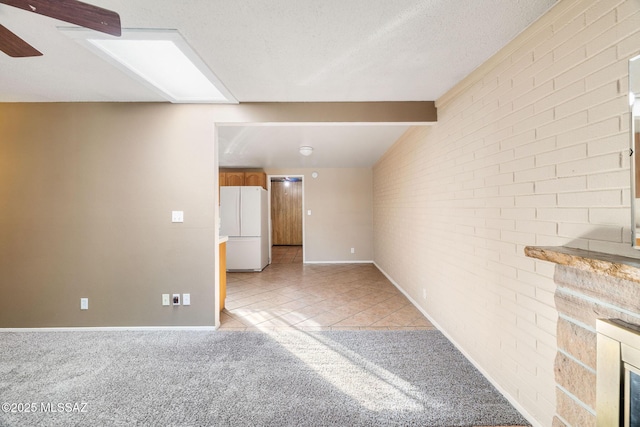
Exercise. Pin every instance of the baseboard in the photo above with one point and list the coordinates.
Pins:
(501, 390)
(112, 329)
(340, 262)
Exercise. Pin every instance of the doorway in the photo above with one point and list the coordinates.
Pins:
(286, 195)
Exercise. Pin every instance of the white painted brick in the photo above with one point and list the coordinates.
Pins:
(537, 92)
(517, 261)
(561, 185)
(518, 164)
(586, 199)
(537, 147)
(562, 155)
(449, 193)
(486, 150)
(560, 65)
(620, 217)
(556, 97)
(626, 9)
(556, 127)
(615, 179)
(500, 179)
(613, 107)
(539, 200)
(518, 213)
(535, 305)
(591, 232)
(520, 139)
(611, 73)
(538, 227)
(548, 270)
(507, 201)
(517, 189)
(543, 240)
(541, 63)
(530, 44)
(547, 325)
(603, 129)
(607, 162)
(485, 192)
(536, 174)
(516, 116)
(588, 99)
(591, 65)
(545, 296)
(627, 26)
(533, 122)
(598, 9)
(611, 144)
(563, 214)
(566, 14)
(573, 37)
(595, 31)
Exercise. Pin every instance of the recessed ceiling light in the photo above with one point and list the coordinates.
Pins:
(306, 150)
(161, 59)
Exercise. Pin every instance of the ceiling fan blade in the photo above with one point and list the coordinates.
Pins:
(74, 12)
(14, 46)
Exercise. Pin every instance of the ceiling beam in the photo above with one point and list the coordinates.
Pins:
(401, 112)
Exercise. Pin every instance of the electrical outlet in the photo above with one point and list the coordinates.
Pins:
(166, 299)
(353, 250)
(424, 293)
(176, 299)
(177, 216)
(186, 299)
(84, 303)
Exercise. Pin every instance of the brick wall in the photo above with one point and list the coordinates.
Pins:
(530, 149)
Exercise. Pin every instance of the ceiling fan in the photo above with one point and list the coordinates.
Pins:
(72, 11)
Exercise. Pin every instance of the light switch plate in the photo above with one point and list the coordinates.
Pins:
(186, 299)
(177, 216)
(166, 299)
(176, 299)
(84, 303)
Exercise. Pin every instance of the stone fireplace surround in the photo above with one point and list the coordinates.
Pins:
(590, 286)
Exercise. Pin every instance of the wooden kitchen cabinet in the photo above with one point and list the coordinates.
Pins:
(223, 274)
(242, 178)
(234, 178)
(255, 179)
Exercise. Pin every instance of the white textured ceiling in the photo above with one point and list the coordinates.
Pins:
(278, 146)
(281, 50)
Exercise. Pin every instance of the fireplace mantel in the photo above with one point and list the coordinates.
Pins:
(615, 266)
(591, 286)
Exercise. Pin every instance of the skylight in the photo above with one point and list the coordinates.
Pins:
(162, 60)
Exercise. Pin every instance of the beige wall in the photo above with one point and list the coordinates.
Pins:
(341, 204)
(86, 194)
(531, 149)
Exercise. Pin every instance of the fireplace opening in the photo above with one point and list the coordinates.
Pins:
(618, 374)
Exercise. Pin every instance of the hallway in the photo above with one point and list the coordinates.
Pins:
(317, 297)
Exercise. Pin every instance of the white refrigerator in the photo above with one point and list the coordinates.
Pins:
(243, 217)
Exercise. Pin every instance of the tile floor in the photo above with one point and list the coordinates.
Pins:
(317, 297)
(286, 254)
